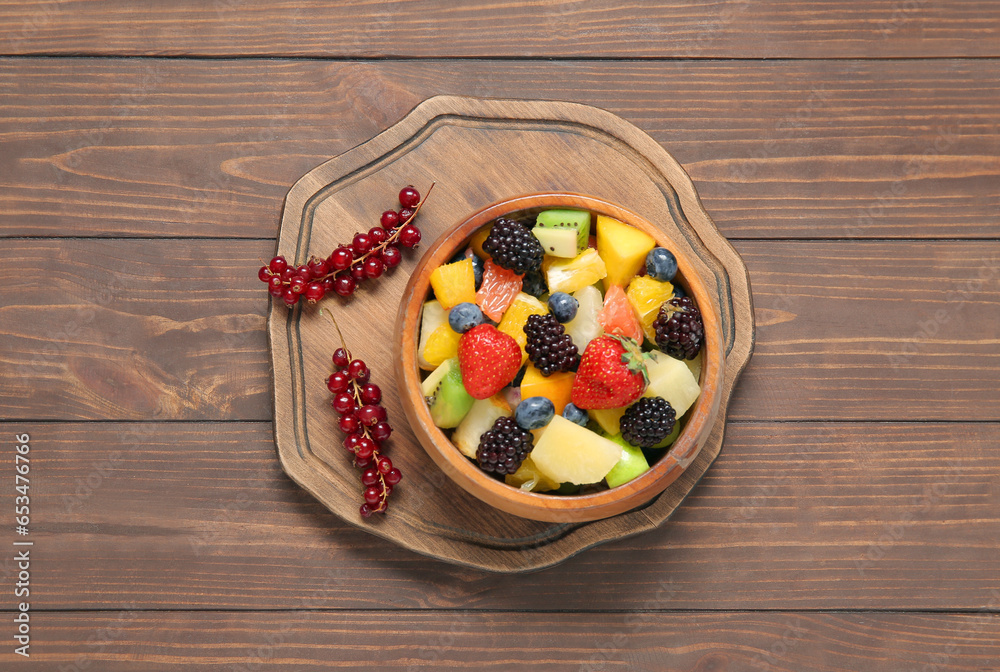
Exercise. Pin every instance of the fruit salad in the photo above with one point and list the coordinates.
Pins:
(560, 352)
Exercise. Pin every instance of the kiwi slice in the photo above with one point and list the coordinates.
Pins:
(563, 233)
(445, 395)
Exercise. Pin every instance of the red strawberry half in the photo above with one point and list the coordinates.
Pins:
(489, 359)
(612, 374)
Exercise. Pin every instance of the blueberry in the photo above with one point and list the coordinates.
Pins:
(679, 292)
(661, 264)
(534, 284)
(465, 316)
(534, 413)
(477, 269)
(563, 306)
(576, 414)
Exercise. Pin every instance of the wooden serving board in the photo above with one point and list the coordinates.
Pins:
(478, 151)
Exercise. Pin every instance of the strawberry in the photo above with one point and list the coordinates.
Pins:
(612, 374)
(489, 359)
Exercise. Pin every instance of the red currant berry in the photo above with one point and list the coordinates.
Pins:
(381, 431)
(341, 358)
(372, 496)
(366, 511)
(369, 476)
(275, 286)
(361, 244)
(303, 272)
(327, 285)
(380, 412)
(290, 297)
(287, 274)
(391, 256)
(389, 220)
(350, 423)
(351, 442)
(367, 415)
(405, 215)
(371, 393)
(374, 267)
(358, 271)
(314, 292)
(384, 465)
(318, 268)
(362, 463)
(338, 382)
(341, 258)
(298, 285)
(388, 491)
(409, 197)
(393, 477)
(409, 236)
(278, 264)
(365, 448)
(264, 274)
(358, 371)
(343, 403)
(378, 235)
(344, 285)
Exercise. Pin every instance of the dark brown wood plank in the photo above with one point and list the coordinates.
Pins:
(133, 640)
(852, 149)
(174, 329)
(790, 516)
(736, 28)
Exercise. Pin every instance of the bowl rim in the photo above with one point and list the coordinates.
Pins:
(544, 506)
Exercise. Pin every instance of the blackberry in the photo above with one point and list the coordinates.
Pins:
(648, 421)
(514, 247)
(534, 284)
(503, 448)
(679, 329)
(549, 347)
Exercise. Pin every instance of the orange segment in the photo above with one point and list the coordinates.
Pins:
(454, 283)
(516, 317)
(647, 295)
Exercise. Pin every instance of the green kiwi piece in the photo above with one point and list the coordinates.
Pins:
(445, 395)
(563, 233)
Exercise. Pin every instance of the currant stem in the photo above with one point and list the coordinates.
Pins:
(340, 334)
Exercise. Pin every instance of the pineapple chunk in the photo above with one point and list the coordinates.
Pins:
(585, 327)
(608, 418)
(695, 364)
(432, 317)
(454, 283)
(647, 295)
(529, 478)
(556, 388)
(671, 379)
(623, 248)
(516, 317)
(478, 421)
(569, 453)
(569, 275)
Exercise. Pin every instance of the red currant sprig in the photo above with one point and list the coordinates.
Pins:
(367, 256)
(363, 419)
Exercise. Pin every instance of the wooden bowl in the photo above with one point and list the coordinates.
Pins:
(543, 506)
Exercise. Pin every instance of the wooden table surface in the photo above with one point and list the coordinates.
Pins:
(850, 152)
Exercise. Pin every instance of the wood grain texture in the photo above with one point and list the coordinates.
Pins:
(790, 516)
(733, 28)
(131, 640)
(167, 329)
(854, 149)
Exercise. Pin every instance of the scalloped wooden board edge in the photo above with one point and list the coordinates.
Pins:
(667, 188)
